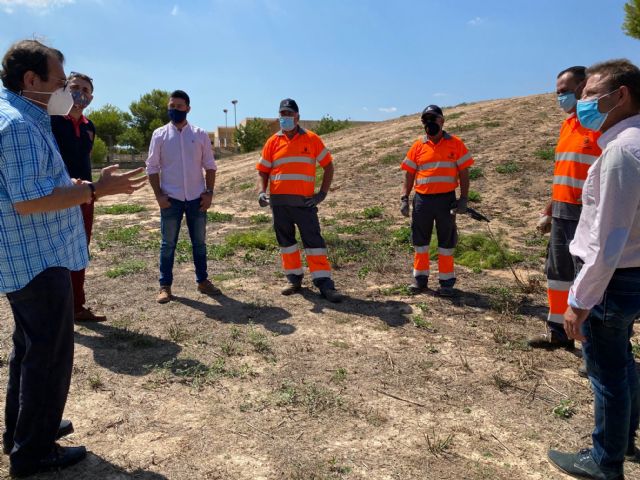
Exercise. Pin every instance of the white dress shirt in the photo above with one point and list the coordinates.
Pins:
(180, 158)
(608, 234)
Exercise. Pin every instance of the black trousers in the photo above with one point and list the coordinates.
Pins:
(40, 365)
(430, 209)
(561, 270)
(285, 220)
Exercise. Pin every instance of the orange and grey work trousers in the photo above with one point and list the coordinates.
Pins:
(285, 219)
(427, 210)
(561, 270)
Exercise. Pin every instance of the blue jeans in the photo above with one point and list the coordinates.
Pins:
(170, 220)
(40, 365)
(612, 369)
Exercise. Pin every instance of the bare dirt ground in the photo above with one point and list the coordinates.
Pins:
(254, 385)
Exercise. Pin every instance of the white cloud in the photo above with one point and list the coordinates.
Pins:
(36, 6)
(474, 22)
(441, 94)
(388, 109)
(175, 10)
(365, 109)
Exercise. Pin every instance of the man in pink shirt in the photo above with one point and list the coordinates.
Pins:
(182, 173)
(604, 299)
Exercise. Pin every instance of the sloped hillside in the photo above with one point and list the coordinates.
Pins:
(251, 385)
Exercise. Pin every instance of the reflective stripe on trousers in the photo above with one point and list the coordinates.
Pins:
(318, 262)
(445, 264)
(421, 261)
(558, 295)
(291, 261)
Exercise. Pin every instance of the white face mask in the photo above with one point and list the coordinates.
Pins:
(60, 102)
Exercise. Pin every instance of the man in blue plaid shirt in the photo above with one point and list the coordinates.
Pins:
(42, 238)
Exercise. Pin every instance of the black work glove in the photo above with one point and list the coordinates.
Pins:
(461, 206)
(263, 200)
(404, 205)
(315, 199)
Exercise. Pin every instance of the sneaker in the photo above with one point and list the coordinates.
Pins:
(86, 315)
(60, 457)
(208, 288)
(65, 428)
(164, 295)
(581, 465)
(550, 341)
(332, 295)
(415, 289)
(291, 289)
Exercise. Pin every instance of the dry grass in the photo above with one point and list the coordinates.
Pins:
(253, 385)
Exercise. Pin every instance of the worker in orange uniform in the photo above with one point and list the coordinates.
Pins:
(576, 151)
(435, 164)
(288, 167)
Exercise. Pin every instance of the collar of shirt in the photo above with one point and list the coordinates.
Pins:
(26, 107)
(614, 131)
(77, 123)
(301, 131)
(186, 127)
(427, 139)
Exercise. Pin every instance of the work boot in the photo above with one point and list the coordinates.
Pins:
(164, 295)
(581, 465)
(415, 289)
(550, 341)
(291, 289)
(447, 292)
(86, 315)
(332, 295)
(208, 288)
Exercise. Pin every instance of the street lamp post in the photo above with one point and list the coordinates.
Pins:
(226, 128)
(235, 121)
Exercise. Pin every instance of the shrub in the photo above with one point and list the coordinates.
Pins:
(99, 151)
(252, 135)
(328, 125)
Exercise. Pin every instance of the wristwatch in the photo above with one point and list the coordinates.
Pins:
(209, 190)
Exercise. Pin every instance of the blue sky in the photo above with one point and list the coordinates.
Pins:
(358, 59)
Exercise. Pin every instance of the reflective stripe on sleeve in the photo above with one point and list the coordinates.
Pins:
(575, 157)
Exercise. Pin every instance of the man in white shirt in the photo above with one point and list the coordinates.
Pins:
(605, 297)
(182, 173)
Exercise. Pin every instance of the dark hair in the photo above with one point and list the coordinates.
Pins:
(618, 73)
(81, 76)
(180, 94)
(578, 72)
(25, 56)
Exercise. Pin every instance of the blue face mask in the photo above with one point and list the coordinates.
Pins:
(177, 116)
(588, 114)
(287, 123)
(567, 101)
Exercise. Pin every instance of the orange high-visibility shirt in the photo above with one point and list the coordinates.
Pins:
(436, 165)
(576, 151)
(291, 163)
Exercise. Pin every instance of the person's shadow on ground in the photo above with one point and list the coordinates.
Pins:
(125, 351)
(391, 312)
(230, 310)
(95, 467)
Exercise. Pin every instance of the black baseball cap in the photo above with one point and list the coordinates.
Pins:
(432, 110)
(289, 104)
